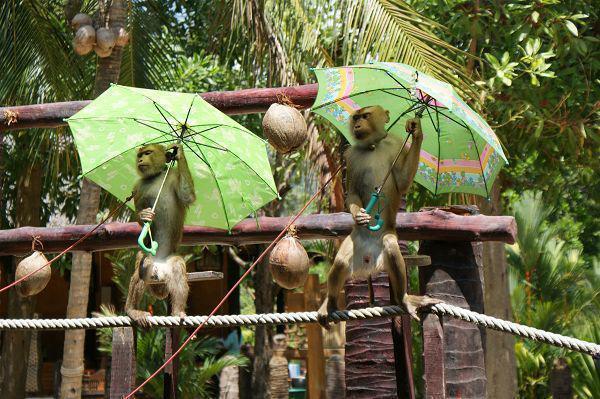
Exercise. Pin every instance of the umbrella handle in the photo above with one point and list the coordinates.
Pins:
(142, 237)
(378, 219)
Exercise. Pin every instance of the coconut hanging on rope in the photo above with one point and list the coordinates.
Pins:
(35, 283)
(289, 261)
(285, 128)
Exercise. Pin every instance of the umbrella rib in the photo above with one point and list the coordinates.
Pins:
(351, 95)
(212, 172)
(190, 109)
(411, 108)
(119, 154)
(234, 127)
(163, 116)
(154, 102)
(152, 127)
(241, 160)
(487, 193)
(437, 129)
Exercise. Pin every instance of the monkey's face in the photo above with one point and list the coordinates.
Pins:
(151, 160)
(368, 123)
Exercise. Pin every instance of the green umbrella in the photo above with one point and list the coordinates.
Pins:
(460, 152)
(229, 164)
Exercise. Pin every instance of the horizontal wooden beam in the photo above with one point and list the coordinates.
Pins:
(432, 224)
(247, 101)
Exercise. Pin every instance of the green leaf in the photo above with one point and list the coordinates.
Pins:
(535, 16)
(539, 129)
(571, 27)
(492, 60)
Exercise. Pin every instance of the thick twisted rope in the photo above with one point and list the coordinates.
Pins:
(307, 317)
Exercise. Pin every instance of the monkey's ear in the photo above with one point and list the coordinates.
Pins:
(387, 116)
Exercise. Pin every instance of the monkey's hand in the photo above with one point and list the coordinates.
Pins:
(413, 303)
(362, 218)
(177, 150)
(146, 215)
(139, 317)
(414, 126)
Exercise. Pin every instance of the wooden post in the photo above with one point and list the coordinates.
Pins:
(370, 365)
(316, 357)
(170, 372)
(455, 276)
(122, 374)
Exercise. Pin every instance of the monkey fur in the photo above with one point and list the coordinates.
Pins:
(366, 252)
(167, 270)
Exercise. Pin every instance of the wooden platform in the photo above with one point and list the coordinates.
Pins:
(200, 276)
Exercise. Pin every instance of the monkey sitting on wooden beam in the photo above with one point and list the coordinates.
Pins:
(167, 270)
(365, 252)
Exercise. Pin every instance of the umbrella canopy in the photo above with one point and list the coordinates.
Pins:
(460, 152)
(229, 164)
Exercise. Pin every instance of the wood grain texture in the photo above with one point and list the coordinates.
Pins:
(122, 374)
(456, 276)
(430, 225)
(370, 367)
(247, 101)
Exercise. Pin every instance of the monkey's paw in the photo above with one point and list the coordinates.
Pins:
(413, 303)
(180, 314)
(324, 311)
(139, 317)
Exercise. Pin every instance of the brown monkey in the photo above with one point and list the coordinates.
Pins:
(365, 252)
(167, 229)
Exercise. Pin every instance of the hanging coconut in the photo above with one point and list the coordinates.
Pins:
(80, 20)
(289, 261)
(121, 35)
(35, 283)
(284, 127)
(102, 53)
(105, 39)
(84, 39)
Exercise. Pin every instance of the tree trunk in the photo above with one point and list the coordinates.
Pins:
(263, 289)
(107, 71)
(15, 344)
(501, 367)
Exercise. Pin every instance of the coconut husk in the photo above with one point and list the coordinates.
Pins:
(102, 53)
(289, 261)
(285, 128)
(105, 39)
(121, 35)
(35, 283)
(85, 36)
(81, 49)
(80, 20)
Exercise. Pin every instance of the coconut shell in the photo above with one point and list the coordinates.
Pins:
(81, 49)
(289, 263)
(84, 37)
(80, 20)
(102, 53)
(284, 127)
(105, 39)
(35, 283)
(121, 35)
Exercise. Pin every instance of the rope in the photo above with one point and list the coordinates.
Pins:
(232, 289)
(69, 248)
(306, 317)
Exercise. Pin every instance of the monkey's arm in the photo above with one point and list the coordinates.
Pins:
(185, 184)
(408, 168)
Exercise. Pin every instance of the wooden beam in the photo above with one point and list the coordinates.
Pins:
(433, 224)
(197, 276)
(247, 101)
(123, 371)
(315, 358)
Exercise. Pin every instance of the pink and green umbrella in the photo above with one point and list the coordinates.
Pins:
(460, 152)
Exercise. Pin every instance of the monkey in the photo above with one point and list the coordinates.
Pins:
(166, 271)
(366, 252)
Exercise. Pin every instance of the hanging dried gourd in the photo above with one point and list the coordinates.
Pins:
(289, 261)
(285, 128)
(84, 39)
(35, 283)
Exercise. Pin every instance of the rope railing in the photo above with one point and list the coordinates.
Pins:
(306, 317)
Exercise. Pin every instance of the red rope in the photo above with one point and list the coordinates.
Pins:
(111, 214)
(260, 258)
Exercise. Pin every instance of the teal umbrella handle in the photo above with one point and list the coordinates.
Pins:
(378, 219)
(142, 237)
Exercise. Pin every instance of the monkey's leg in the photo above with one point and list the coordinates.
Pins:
(338, 274)
(177, 286)
(396, 269)
(134, 295)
